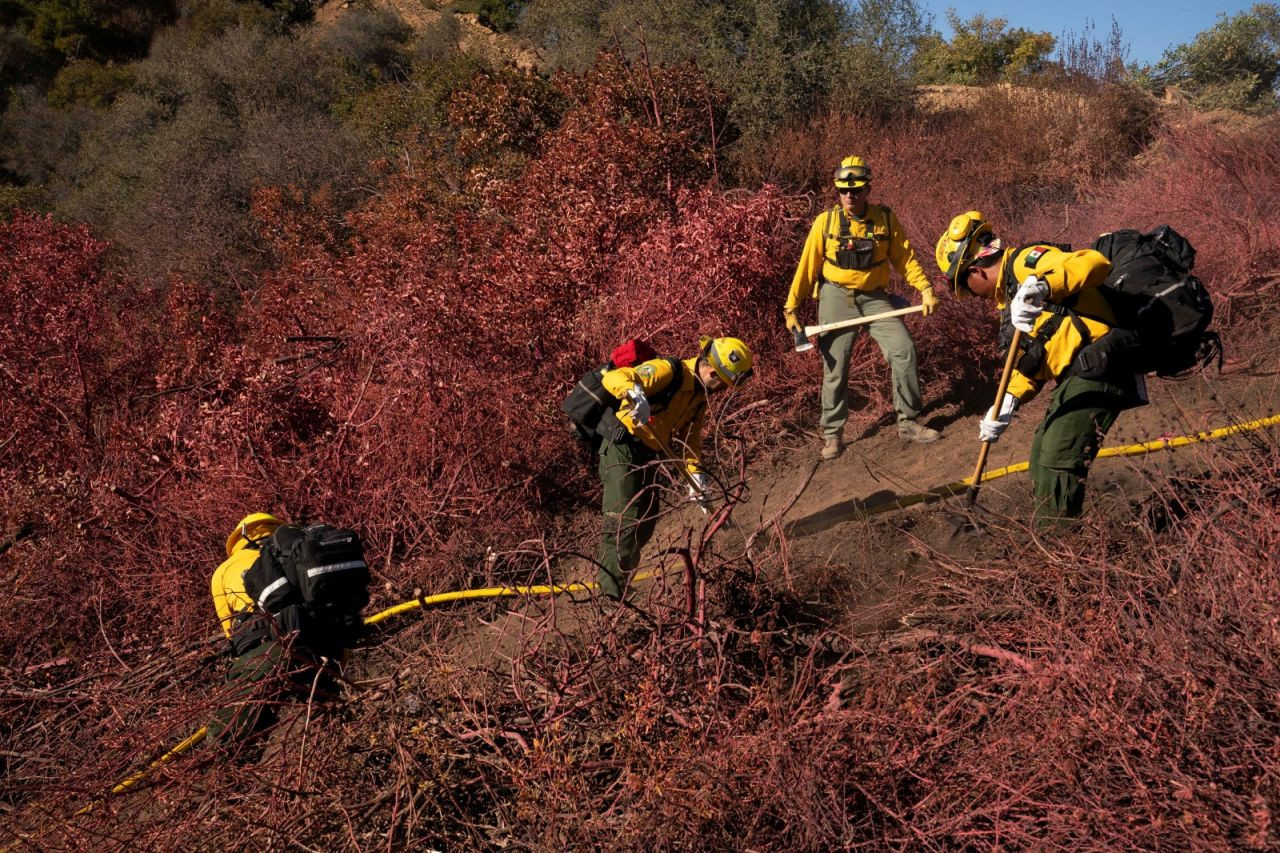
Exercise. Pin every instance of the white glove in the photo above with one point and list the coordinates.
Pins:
(990, 427)
(639, 405)
(1027, 303)
(698, 491)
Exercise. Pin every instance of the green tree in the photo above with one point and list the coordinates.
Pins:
(982, 50)
(501, 15)
(1235, 64)
(167, 170)
(775, 59)
(38, 37)
(874, 64)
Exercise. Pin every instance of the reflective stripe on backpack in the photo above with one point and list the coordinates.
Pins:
(270, 588)
(337, 567)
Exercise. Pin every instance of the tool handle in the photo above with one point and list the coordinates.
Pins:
(1005, 376)
(810, 331)
(677, 461)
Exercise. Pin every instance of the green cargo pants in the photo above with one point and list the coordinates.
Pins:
(1070, 436)
(629, 473)
(837, 303)
(262, 678)
(256, 678)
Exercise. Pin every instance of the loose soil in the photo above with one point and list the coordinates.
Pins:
(864, 572)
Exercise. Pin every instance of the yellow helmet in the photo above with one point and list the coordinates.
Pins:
(966, 239)
(251, 528)
(729, 357)
(852, 173)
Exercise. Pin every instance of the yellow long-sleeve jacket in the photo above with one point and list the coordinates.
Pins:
(678, 424)
(229, 597)
(1073, 278)
(818, 257)
(227, 583)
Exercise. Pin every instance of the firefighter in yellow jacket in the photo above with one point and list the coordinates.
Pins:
(1052, 296)
(265, 670)
(661, 411)
(845, 266)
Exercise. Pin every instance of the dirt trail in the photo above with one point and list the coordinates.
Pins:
(868, 567)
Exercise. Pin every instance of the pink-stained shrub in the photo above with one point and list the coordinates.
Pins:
(401, 372)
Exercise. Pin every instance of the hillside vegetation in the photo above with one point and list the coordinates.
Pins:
(341, 269)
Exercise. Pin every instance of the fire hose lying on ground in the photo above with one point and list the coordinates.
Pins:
(899, 502)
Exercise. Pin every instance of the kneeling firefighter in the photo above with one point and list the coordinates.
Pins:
(288, 599)
(1051, 294)
(661, 406)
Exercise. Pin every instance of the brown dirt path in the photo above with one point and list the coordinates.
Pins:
(871, 568)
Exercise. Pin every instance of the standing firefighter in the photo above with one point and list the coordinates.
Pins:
(1053, 298)
(661, 409)
(288, 599)
(845, 266)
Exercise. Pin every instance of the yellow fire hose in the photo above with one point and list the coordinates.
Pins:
(489, 592)
(557, 589)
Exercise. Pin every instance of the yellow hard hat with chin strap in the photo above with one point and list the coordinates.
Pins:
(853, 173)
(730, 358)
(252, 527)
(968, 238)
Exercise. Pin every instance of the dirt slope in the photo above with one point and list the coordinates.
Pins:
(866, 570)
(474, 38)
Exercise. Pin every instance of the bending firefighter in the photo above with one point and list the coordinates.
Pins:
(845, 266)
(288, 599)
(1052, 296)
(661, 409)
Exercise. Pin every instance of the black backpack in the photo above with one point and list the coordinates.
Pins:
(1162, 311)
(314, 581)
(593, 411)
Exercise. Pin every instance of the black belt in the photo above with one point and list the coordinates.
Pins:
(250, 630)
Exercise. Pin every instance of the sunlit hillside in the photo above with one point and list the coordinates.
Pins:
(337, 263)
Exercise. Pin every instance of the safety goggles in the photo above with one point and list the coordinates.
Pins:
(847, 174)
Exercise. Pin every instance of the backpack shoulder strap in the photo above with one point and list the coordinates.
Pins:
(842, 223)
(664, 396)
(888, 218)
(1067, 310)
(1009, 281)
(284, 538)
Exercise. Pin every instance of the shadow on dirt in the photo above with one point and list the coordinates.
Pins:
(838, 513)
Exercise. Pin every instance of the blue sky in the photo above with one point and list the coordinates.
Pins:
(1149, 26)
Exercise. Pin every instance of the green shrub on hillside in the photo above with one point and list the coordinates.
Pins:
(1233, 65)
(983, 50)
(206, 19)
(373, 44)
(386, 114)
(89, 83)
(38, 37)
(777, 60)
(37, 139)
(13, 197)
(167, 171)
(501, 15)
